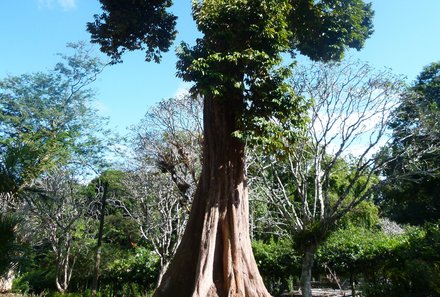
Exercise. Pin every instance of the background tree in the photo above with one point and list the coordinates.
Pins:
(235, 67)
(46, 120)
(170, 138)
(332, 167)
(103, 189)
(116, 233)
(155, 206)
(163, 175)
(56, 206)
(48, 128)
(415, 127)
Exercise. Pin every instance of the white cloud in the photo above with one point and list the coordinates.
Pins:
(182, 90)
(67, 4)
(64, 4)
(102, 108)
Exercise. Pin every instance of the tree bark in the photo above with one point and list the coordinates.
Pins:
(352, 285)
(215, 258)
(163, 268)
(306, 270)
(96, 270)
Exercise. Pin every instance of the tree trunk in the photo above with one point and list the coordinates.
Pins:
(306, 270)
(96, 270)
(215, 258)
(60, 286)
(7, 280)
(352, 285)
(162, 270)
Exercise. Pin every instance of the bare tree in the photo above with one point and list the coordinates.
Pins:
(163, 177)
(170, 138)
(350, 105)
(55, 206)
(156, 207)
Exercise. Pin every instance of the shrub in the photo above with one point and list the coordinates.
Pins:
(278, 264)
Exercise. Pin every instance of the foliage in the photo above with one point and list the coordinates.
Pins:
(323, 29)
(9, 245)
(356, 250)
(415, 145)
(46, 119)
(419, 109)
(278, 263)
(412, 202)
(137, 25)
(141, 267)
(121, 231)
(406, 264)
(412, 269)
(35, 282)
(365, 215)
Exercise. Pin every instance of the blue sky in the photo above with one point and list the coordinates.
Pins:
(406, 38)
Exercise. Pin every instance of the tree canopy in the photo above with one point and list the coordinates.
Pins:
(416, 136)
(46, 118)
(241, 45)
(134, 25)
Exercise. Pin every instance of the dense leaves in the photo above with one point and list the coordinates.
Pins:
(9, 245)
(240, 51)
(134, 25)
(356, 250)
(323, 29)
(279, 264)
(416, 138)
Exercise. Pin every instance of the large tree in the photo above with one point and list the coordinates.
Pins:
(236, 67)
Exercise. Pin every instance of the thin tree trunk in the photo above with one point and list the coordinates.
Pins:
(162, 270)
(214, 258)
(352, 285)
(60, 277)
(306, 270)
(99, 243)
(60, 288)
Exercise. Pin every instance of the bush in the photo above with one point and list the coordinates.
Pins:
(278, 264)
(136, 273)
(35, 281)
(406, 265)
(414, 278)
(414, 269)
(356, 250)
